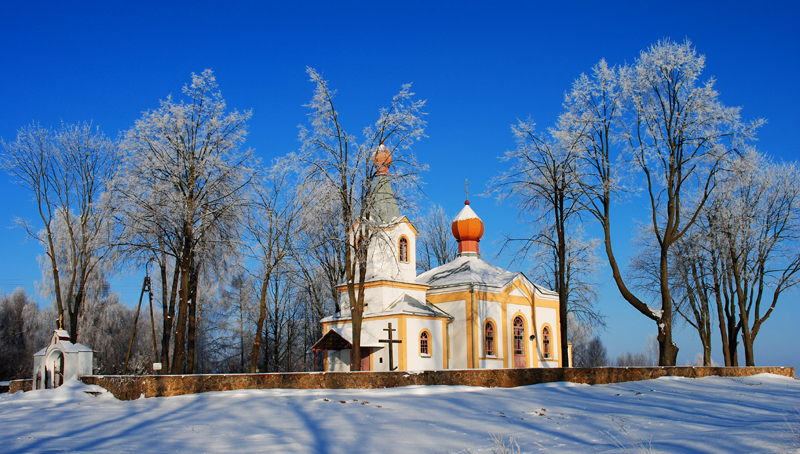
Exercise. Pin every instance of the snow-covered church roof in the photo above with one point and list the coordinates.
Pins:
(473, 270)
(405, 304)
(466, 270)
(409, 305)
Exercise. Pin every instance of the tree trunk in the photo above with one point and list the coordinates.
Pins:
(56, 276)
(191, 334)
(741, 300)
(262, 315)
(747, 339)
(168, 303)
(74, 311)
(668, 351)
(179, 353)
(723, 331)
(563, 294)
(357, 313)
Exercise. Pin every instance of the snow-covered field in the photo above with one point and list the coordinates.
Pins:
(752, 414)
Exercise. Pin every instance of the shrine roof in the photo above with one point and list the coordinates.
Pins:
(339, 338)
(72, 348)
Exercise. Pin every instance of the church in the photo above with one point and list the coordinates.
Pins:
(466, 314)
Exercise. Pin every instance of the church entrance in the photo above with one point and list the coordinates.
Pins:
(365, 352)
(54, 374)
(519, 342)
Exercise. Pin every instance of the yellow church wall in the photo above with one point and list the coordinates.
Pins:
(402, 334)
(502, 308)
(470, 309)
(446, 349)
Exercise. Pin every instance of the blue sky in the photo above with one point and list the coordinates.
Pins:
(480, 65)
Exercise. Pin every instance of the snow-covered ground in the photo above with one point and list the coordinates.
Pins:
(752, 414)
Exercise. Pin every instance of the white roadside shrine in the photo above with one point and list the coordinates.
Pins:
(60, 361)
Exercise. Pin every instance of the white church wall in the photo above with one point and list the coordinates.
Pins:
(490, 363)
(379, 298)
(458, 332)
(384, 255)
(436, 345)
(339, 360)
(546, 316)
(380, 356)
(490, 310)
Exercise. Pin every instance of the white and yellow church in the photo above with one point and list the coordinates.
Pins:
(466, 314)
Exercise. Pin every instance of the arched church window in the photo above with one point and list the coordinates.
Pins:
(403, 256)
(488, 337)
(423, 343)
(546, 342)
(519, 336)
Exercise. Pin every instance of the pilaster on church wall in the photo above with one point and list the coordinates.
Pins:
(458, 332)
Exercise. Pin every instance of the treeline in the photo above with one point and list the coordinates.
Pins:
(242, 257)
(106, 327)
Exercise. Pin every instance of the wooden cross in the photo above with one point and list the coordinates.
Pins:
(391, 341)
(466, 187)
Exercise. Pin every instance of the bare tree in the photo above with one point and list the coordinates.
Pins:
(339, 167)
(435, 245)
(543, 183)
(628, 359)
(739, 257)
(694, 289)
(595, 355)
(580, 334)
(67, 171)
(24, 330)
(755, 217)
(273, 225)
(581, 262)
(183, 190)
(677, 135)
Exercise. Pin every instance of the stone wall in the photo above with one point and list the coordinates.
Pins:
(128, 387)
(20, 385)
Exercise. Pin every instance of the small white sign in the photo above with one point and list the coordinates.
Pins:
(156, 366)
